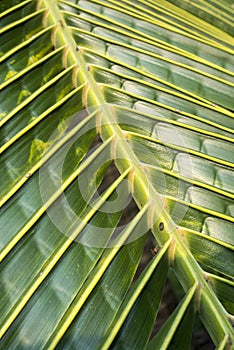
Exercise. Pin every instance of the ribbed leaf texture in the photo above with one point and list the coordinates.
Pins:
(116, 123)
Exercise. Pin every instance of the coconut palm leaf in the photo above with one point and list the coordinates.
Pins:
(116, 123)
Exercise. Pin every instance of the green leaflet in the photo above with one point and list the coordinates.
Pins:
(141, 88)
(178, 327)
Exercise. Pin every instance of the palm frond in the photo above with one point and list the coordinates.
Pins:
(142, 87)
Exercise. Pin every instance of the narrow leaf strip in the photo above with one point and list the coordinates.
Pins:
(142, 301)
(180, 324)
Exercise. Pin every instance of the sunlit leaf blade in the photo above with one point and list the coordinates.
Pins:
(112, 259)
(208, 250)
(212, 12)
(224, 290)
(58, 294)
(104, 105)
(104, 302)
